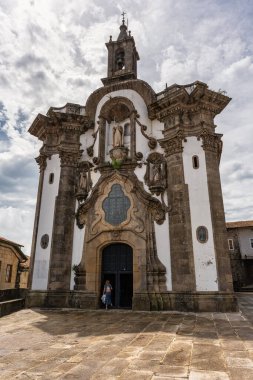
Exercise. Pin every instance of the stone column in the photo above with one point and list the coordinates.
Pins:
(64, 219)
(42, 162)
(212, 146)
(182, 260)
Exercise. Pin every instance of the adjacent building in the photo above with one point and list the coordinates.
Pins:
(240, 245)
(130, 191)
(14, 265)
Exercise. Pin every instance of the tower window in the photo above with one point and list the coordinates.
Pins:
(251, 242)
(120, 59)
(195, 162)
(202, 234)
(51, 178)
(231, 244)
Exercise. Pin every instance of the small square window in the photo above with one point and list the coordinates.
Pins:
(8, 273)
(231, 244)
(51, 178)
(195, 162)
(251, 242)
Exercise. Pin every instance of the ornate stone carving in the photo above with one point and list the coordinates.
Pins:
(118, 155)
(41, 161)
(79, 277)
(152, 143)
(211, 141)
(90, 149)
(130, 182)
(69, 158)
(155, 176)
(173, 145)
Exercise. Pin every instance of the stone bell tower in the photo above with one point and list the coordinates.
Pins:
(122, 57)
(130, 191)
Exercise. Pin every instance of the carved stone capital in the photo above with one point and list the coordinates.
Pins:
(211, 141)
(41, 161)
(174, 144)
(69, 158)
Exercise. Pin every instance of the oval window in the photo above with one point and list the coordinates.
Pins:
(202, 234)
(44, 241)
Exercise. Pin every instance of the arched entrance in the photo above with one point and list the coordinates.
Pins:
(117, 267)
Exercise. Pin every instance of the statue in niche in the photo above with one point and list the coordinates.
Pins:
(83, 182)
(156, 173)
(155, 176)
(118, 136)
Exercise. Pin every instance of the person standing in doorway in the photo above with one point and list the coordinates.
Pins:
(108, 294)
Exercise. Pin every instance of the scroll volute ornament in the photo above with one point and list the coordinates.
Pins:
(156, 176)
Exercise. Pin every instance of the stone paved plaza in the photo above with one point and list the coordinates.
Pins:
(46, 344)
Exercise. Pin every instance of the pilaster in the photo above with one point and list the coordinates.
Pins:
(42, 162)
(182, 261)
(212, 146)
(63, 229)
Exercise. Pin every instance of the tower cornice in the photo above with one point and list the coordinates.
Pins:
(193, 98)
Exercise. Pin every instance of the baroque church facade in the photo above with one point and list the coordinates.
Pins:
(130, 191)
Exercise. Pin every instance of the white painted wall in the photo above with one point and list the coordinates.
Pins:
(204, 254)
(49, 192)
(77, 252)
(163, 248)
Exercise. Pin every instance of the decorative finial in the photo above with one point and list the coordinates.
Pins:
(123, 17)
(129, 33)
(110, 39)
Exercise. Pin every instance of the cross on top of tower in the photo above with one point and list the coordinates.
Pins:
(123, 17)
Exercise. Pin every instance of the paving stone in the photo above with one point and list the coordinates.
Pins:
(208, 356)
(171, 371)
(232, 345)
(179, 354)
(208, 375)
(239, 362)
(240, 373)
(136, 375)
(51, 344)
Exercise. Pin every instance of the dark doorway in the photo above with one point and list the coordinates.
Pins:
(117, 267)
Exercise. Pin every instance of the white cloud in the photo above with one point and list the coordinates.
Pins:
(53, 52)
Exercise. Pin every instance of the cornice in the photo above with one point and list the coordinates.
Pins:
(38, 127)
(191, 98)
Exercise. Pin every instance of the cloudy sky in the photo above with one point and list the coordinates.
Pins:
(53, 52)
